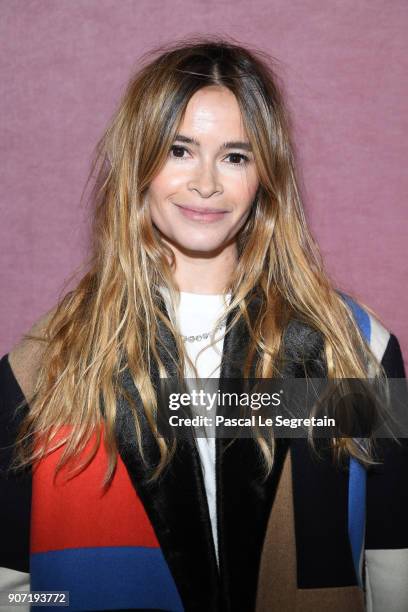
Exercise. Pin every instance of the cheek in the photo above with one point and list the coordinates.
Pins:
(167, 182)
(244, 194)
(156, 194)
(252, 185)
(244, 185)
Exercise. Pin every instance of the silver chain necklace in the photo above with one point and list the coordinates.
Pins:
(205, 335)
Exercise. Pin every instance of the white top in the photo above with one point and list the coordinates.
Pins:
(197, 313)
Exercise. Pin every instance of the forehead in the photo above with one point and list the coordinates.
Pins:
(213, 111)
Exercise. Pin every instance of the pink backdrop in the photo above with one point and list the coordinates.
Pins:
(64, 66)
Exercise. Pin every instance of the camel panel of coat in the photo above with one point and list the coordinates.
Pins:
(277, 584)
(277, 574)
(25, 356)
(337, 599)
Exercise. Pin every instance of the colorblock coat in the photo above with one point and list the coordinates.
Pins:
(311, 538)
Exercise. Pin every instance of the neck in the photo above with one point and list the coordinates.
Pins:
(204, 272)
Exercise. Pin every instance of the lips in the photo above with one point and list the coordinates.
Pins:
(201, 215)
(200, 209)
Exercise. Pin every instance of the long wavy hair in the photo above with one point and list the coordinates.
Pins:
(112, 316)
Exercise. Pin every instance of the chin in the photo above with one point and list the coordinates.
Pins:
(199, 247)
(195, 239)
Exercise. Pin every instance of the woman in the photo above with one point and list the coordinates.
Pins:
(202, 265)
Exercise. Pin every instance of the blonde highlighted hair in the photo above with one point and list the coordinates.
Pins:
(111, 317)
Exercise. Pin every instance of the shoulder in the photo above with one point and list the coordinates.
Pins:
(23, 360)
(383, 342)
(386, 527)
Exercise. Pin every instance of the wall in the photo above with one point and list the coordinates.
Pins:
(344, 63)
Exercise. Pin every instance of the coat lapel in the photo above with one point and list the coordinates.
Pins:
(244, 498)
(176, 504)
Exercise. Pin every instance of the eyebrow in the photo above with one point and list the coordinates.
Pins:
(232, 144)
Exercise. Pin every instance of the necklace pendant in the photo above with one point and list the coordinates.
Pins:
(203, 336)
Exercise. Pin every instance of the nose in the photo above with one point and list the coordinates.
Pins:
(205, 181)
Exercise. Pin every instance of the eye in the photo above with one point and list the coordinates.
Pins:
(177, 151)
(238, 159)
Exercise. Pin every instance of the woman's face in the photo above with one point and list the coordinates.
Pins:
(203, 194)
